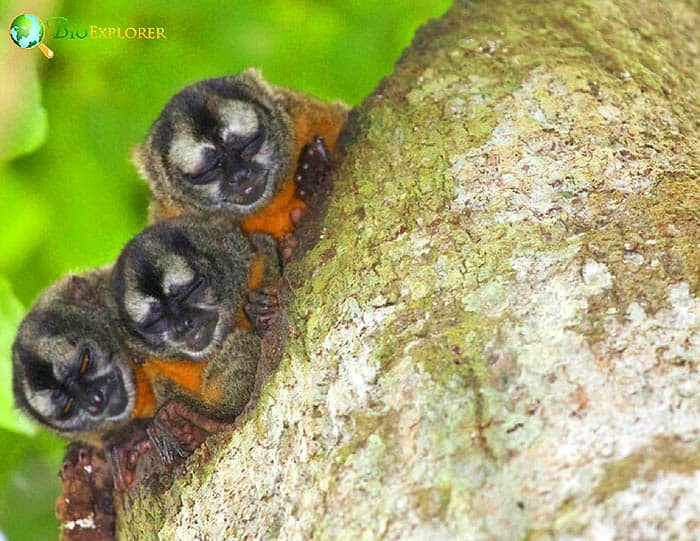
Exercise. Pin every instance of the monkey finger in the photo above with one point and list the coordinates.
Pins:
(196, 419)
(261, 316)
(123, 478)
(187, 426)
(166, 443)
(287, 245)
(264, 298)
(318, 147)
(124, 449)
(296, 214)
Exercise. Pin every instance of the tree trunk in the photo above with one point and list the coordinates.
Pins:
(497, 335)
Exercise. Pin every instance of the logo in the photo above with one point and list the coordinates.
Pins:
(63, 30)
(27, 32)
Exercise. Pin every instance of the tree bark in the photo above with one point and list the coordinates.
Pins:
(497, 335)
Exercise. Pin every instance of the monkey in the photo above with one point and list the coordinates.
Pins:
(70, 371)
(71, 374)
(233, 145)
(180, 290)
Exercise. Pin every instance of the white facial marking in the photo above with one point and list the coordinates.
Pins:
(41, 401)
(54, 347)
(178, 274)
(138, 306)
(188, 154)
(212, 191)
(265, 155)
(238, 118)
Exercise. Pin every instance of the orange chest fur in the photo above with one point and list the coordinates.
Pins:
(145, 405)
(275, 218)
(185, 374)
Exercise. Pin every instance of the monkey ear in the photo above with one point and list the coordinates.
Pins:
(138, 158)
(254, 78)
(253, 73)
(81, 292)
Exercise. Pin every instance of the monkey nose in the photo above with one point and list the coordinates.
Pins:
(183, 325)
(239, 176)
(97, 402)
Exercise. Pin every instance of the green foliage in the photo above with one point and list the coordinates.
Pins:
(27, 127)
(30, 485)
(74, 202)
(11, 311)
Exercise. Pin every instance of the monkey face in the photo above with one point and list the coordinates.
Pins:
(70, 372)
(173, 288)
(220, 144)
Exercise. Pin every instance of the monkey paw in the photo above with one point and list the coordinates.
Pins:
(288, 244)
(312, 169)
(124, 448)
(314, 164)
(177, 430)
(261, 308)
(85, 508)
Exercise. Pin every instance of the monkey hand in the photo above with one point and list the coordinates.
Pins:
(124, 449)
(262, 307)
(180, 429)
(314, 164)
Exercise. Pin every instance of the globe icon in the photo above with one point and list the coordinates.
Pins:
(27, 32)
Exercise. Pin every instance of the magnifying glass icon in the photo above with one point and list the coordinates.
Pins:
(27, 32)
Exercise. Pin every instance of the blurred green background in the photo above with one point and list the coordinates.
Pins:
(69, 198)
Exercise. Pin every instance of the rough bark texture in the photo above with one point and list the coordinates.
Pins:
(498, 334)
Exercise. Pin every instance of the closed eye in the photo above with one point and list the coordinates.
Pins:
(156, 321)
(252, 144)
(205, 173)
(155, 325)
(192, 289)
(205, 177)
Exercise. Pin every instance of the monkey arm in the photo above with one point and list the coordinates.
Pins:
(229, 377)
(312, 119)
(194, 400)
(190, 414)
(219, 387)
(262, 304)
(265, 269)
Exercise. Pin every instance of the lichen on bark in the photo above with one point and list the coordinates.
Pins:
(497, 334)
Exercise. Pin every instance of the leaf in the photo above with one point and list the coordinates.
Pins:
(11, 312)
(22, 115)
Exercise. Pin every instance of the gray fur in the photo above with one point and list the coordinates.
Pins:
(66, 317)
(220, 254)
(173, 149)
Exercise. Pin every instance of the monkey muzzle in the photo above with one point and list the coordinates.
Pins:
(196, 331)
(105, 396)
(246, 185)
